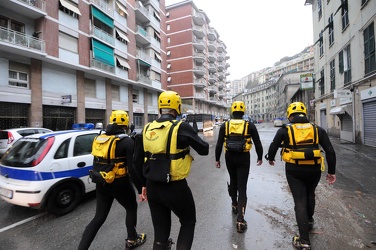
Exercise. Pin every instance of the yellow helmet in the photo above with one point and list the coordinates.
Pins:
(296, 107)
(238, 106)
(170, 100)
(120, 117)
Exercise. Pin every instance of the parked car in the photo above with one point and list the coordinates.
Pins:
(48, 170)
(278, 122)
(9, 136)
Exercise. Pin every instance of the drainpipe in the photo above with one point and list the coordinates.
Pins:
(353, 111)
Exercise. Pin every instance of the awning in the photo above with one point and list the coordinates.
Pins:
(157, 15)
(122, 8)
(341, 110)
(158, 56)
(144, 63)
(70, 6)
(102, 17)
(123, 63)
(122, 35)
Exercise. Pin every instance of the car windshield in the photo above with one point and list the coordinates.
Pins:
(23, 152)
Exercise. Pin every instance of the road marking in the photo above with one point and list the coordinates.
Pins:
(21, 222)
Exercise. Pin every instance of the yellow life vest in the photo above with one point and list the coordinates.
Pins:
(157, 145)
(237, 138)
(105, 163)
(303, 147)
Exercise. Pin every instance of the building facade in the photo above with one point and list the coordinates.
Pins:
(345, 68)
(74, 61)
(197, 66)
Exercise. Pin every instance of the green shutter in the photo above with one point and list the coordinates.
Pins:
(103, 53)
(102, 17)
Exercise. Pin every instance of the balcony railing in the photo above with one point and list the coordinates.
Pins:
(40, 4)
(17, 38)
(104, 6)
(100, 65)
(144, 79)
(104, 36)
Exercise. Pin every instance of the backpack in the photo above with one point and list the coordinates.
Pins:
(236, 139)
(106, 166)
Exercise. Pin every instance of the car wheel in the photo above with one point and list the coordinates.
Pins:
(64, 199)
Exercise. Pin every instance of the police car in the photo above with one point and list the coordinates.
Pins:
(49, 170)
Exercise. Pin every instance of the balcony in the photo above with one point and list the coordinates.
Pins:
(22, 40)
(144, 79)
(221, 47)
(142, 36)
(213, 89)
(199, 18)
(33, 9)
(199, 31)
(212, 68)
(102, 35)
(199, 71)
(199, 44)
(221, 66)
(199, 58)
(142, 13)
(212, 34)
(201, 83)
(220, 57)
(101, 66)
(104, 6)
(212, 46)
(212, 57)
(212, 78)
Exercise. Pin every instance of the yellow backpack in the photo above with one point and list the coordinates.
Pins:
(106, 166)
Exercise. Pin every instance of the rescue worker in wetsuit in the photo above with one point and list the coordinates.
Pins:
(119, 188)
(172, 194)
(300, 142)
(237, 135)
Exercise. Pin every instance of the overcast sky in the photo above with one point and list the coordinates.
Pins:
(258, 33)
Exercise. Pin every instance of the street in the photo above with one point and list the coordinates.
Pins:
(345, 216)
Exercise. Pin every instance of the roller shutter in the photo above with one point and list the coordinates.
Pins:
(369, 118)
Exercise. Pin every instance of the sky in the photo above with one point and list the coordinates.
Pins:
(258, 33)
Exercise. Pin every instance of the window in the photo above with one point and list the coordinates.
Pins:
(369, 49)
(135, 96)
(157, 58)
(168, 26)
(90, 88)
(68, 42)
(319, 8)
(122, 37)
(62, 151)
(121, 10)
(115, 92)
(331, 31)
(83, 144)
(168, 40)
(345, 64)
(157, 36)
(11, 24)
(344, 14)
(69, 8)
(332, 75)
(18, 79)
(321, 45)
(322, 83)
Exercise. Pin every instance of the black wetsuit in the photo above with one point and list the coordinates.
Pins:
(120, 189)
(175, 196)
(303, 179)
(238, 166)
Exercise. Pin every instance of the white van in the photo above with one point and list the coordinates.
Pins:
(48, 170)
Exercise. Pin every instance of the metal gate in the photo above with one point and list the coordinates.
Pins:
(14, 115)
(369, 118)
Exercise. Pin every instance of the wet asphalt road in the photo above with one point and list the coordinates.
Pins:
(271, 222)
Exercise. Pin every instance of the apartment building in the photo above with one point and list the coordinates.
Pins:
(197, 66)
(74, 61)
(273, 89)
(345, 68)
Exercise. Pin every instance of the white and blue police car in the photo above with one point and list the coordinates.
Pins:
(49, 170)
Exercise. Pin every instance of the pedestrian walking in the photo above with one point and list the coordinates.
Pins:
(165, 145)
(237, 135)
(113, 158)
(300, 140)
